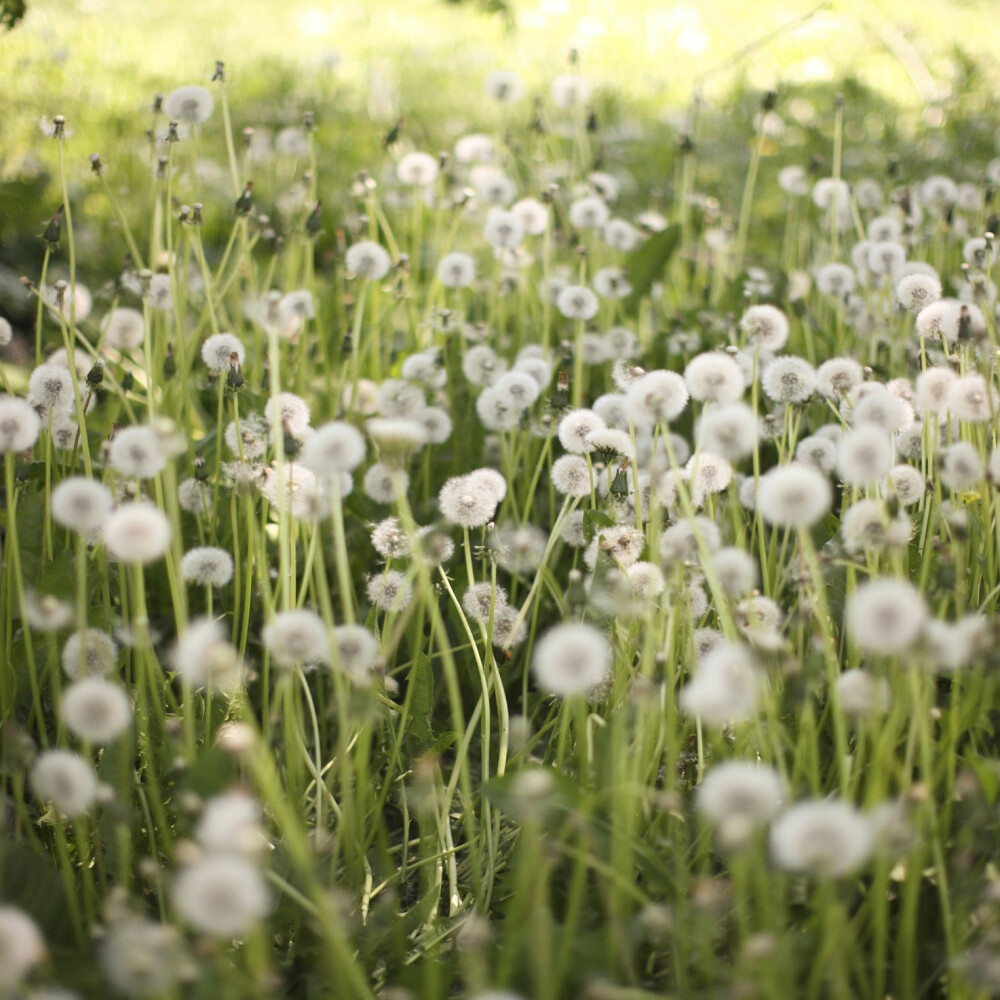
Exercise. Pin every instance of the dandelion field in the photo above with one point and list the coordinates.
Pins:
(565, 566)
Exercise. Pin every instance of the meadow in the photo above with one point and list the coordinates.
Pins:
(508, 531)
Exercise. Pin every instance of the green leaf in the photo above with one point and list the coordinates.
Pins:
(647, 263)
(421, 700)
(593, 521)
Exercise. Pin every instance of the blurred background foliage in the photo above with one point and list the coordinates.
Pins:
(918, 76)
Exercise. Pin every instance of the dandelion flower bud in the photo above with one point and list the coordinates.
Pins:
(218, 350)
(207, 566)
(124, 329)
(367, 259)
(714, 377)
(81, 504)
(21, 947)
(823, 838)
(793, 496)
(96, 710)
(137, 533)
(765, 327)
(885, 616)
(221, 895)
(137, 452)
(66, 780)
(725, 687)
(417, 169)
(191, 104)
(571, 659)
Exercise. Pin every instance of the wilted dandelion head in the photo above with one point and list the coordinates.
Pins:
(137, 532)
(823, 838)
(297, 638)
(221, 350)
(191, 104)
(572, 659)
(221, 895)
(789, 380)
(66, 780)
(793, 496)
(96, 710)
(885, 616)
(367, 259)
(765, 327)
(207, 566)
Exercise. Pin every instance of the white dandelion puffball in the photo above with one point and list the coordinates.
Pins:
(575, 429)
(417, 169)
(860, 694)
(19, 425)
(6, 332)
(221, 350)
(137, 452)
(206, 659)
(66, 780)
(137, 532)
(207, 566)
(367, 259)
(124, 329)
(823, 838)
(885, 616)
(141, 958)
(89, 653)
(467, 502)
(96, 710)
(793, 496)
(334, 448)
(230, 822)
(865, 455)
(503, 230)
(714, 377)
(739, 796)
(765, 327)
(81, 504)
(657, 397)
(297, 638)
(571, 659)
(21, 947)
(456, 270)
(504, 86)
(532, 214)
(221, 895)
(725, 686)
(588, 213)
(355, 649)
(577, 302)
(191, 104)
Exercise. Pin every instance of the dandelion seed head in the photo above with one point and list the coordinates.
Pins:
(504, 86)
(915, 292)
(765, 327)
(868, 526)
(885, 616)
(389, 591)
(589, 213)
(972, 398)
(21, 947)
(577, 302)
(680, 542)
(207, 566)
(124, 329)
(206, 659)
(417, 169)
(503, 230)
(80, 504)
(380, 482)
(736, 570)
(141, 958)
(334, 448)
(137, 452)
(571, 476)
(836, 280)
(823, 838)
(96, 710)
(66, 780)
(219, 351)
(865, 455)
(137, 532)
(571, 660)
(50, 387)
(793, 496)
(467, 502)
(297, 638)
(657, 397)
(793, 180)
(725, 686)
(191, 104)
(961, 468)
(714, 377)
(221, 895)
(739, 796)
(456, 270)
(288, 414)
(789, 380)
